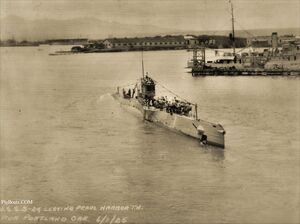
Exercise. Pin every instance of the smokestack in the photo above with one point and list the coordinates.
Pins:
(274, 40)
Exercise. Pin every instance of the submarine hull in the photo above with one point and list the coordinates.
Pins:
(207, 132)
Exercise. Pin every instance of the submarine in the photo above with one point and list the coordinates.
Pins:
(178, 115)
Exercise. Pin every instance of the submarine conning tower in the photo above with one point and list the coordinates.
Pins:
(148, 87)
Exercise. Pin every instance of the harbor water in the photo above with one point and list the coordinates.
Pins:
(66, 141)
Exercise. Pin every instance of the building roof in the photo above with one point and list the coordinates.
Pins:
(147, 39)
(189, 37)
(66, 40)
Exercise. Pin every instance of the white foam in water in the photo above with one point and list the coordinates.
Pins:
(104, 97)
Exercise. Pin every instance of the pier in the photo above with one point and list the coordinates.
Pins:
(243, 72)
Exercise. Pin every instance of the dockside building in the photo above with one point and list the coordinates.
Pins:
(158, 42)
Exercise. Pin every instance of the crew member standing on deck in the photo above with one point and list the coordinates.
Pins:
(129, 92)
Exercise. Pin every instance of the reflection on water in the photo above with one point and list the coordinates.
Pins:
(64, 140)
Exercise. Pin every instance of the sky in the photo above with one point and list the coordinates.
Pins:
(199, 15)
(185, 14)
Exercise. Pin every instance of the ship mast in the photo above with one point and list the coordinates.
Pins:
(232, 21)
(143, 64)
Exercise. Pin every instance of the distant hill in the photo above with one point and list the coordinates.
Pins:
(20, 29)
(249, 33)
(92, 28)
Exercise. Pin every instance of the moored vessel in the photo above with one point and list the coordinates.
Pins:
(274, 61)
